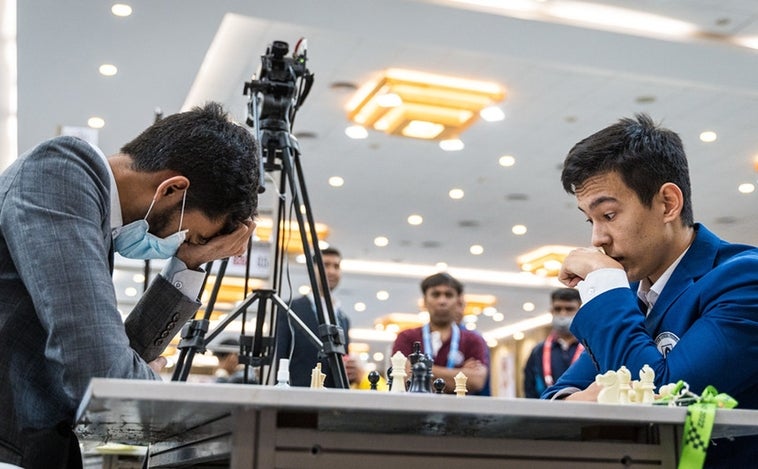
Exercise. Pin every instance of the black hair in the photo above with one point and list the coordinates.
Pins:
(441, 278)
(643, 154)
(218, 157)
(565, 294)
(221, 354)
(330, 251)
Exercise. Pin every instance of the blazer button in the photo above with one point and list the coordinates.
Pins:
(178, 285)
(171, 325)
(175, 317)
(164, 334)
(158, 342)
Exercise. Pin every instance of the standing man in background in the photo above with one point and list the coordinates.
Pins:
(184, 189)
(552, 357)
(293, 343)
(453, 349)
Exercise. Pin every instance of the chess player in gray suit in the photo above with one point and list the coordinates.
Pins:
(184, 189)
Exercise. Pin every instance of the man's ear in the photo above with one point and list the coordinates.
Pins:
(673, 201)
(171, 186)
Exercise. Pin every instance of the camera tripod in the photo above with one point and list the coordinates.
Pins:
(282, 154)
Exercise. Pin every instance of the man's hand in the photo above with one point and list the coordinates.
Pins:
(229, 245)
(158, 364)
(588, 395)
(580, 262)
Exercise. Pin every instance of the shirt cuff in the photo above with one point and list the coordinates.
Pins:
(187, 281)
(564, 393)
(600, 281)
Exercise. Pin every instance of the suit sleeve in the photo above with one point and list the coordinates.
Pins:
(57, 207)
(612, 329)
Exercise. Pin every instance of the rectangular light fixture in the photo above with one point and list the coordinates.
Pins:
(545, 261)
(422, 105)
(264, 231)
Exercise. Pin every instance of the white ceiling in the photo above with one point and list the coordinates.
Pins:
(563, 83)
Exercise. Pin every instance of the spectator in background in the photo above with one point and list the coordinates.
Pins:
(452, 348)
(293, 343)
(552, 357)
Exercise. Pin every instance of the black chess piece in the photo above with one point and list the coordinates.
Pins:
(389, 378)
(427, 360)
(373, 378)
(418, 378)
(439, 385)
(415, 356)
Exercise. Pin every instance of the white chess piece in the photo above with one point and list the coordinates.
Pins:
(624, 378)
(609, 384)
(398, 372)
(460, 384)
(647, 385)
(317, 377)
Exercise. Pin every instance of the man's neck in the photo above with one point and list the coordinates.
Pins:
(443, 329)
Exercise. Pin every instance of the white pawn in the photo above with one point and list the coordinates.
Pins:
(624, 378)
(398, 372)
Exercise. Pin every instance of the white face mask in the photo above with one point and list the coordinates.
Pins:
(561, 324)
(135, 242)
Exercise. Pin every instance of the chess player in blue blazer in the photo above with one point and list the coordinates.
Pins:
(657, 288)
(184, 189)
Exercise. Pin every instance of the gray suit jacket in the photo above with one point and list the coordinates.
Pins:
(59, 326)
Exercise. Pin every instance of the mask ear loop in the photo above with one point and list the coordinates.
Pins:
(150, 208)
(181, 215)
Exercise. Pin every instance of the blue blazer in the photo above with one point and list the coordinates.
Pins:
(703, 330)
(59, 322)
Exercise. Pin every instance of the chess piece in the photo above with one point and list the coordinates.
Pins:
(416, 355)
(429, 364)
(439, 385)
(624, 378)
(460, 384)
(373, 379)
(398, 372)
(609, 384)
(283, 374)
(389, 378)
(418, 378)
(317, 377)
(647, 378)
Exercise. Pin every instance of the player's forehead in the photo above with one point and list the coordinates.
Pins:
(437, 290)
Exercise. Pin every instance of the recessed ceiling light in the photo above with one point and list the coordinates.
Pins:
(138, 278)
(441, 266)
(507, 160)
(498, 317)
(381, 241)
(492, 114)
(708, 136)
(336, 181)
(108, 70)
(518, 335)
(322, 244)
(96, 122)
(518, 229)
(415, 220)
(356, 132)
(528, 306)
(382, 295)
(455, 194)
(304, 289)
(746, 188)
(130, 291)
(476, 249)
(360, 307)
(378, 356)
(121, 9)
(452, 145)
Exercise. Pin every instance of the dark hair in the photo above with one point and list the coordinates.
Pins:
(217, 156)
(441, 279)
(644, 155)
(221, 354)
(565, 294)
(330, 251)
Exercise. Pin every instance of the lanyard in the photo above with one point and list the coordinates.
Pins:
(547, 367)
(455, 341)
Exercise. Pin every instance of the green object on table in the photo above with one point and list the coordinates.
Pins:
(699, 424)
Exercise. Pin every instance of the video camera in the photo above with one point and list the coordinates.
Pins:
(279, 87)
